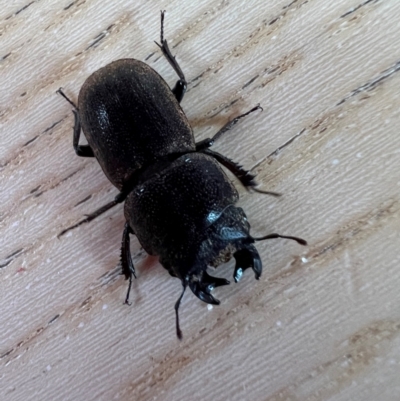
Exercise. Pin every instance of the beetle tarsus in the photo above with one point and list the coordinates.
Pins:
(126, 302)
(162, 26)
(60, 92)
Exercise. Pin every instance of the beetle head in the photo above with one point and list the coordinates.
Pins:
(228, 236)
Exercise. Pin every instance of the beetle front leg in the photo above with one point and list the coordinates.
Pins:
(128, 269)
(244, 176)
(181, 85)
(80, 150)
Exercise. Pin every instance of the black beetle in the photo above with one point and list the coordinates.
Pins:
(179, 202)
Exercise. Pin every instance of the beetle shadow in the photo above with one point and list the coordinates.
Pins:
(148, 262)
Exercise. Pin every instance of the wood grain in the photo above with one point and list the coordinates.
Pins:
(323, 323)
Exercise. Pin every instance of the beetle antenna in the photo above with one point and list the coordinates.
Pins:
(274, 235)
(178, 302)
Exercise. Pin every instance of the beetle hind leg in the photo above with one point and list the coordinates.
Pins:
(245, 258)
(89, 217)
(80, 150)
(181, 85)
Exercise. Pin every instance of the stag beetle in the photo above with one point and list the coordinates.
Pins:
(178, 201)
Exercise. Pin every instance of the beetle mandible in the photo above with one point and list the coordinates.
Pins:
(178, 201)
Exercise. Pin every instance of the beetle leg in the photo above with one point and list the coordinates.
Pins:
(208, 142)
(80, 150)
(60, 91)
(233, 122)
(118, 199)
(179, 90)
(178, 302)
(244, 176)
(180, 87)
(245, 258)
(128, 269)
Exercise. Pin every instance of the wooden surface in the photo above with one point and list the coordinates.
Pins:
(323, 322)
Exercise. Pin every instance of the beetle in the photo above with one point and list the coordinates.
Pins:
(178, 201)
